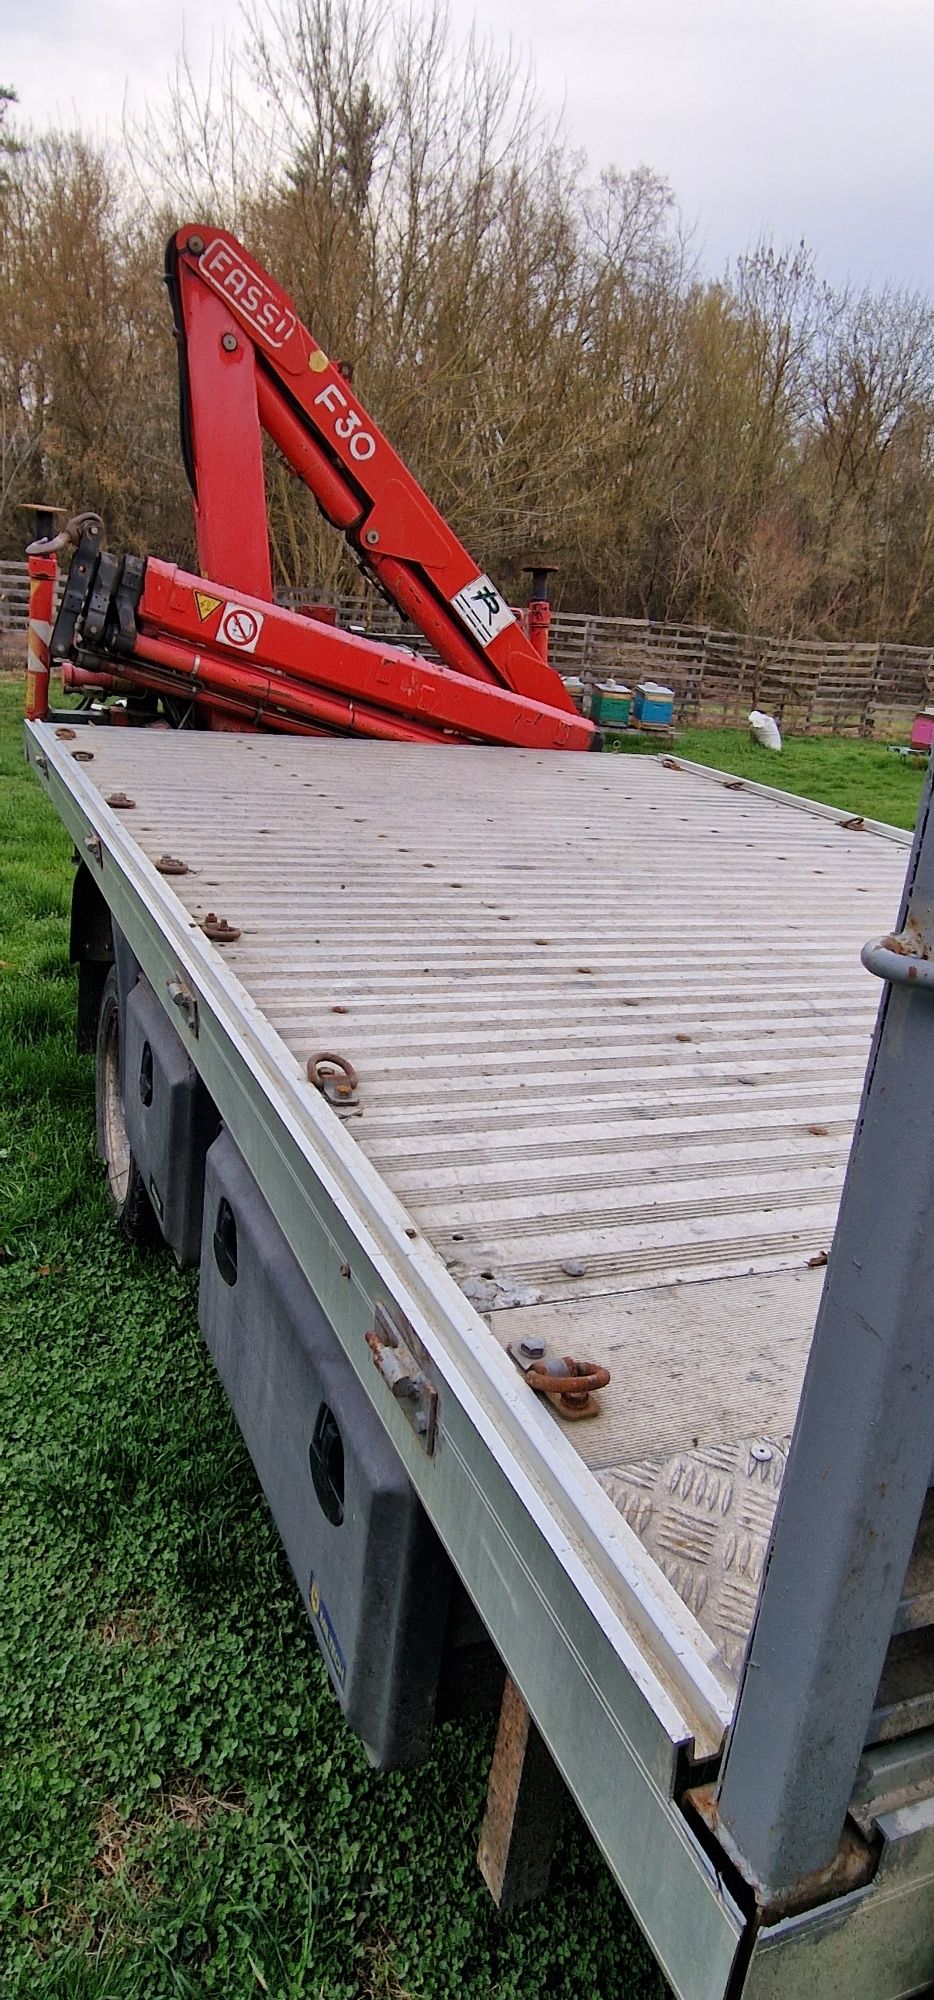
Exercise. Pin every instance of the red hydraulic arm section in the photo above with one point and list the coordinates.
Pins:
(181, 619)
(246, 362)
(242, 662)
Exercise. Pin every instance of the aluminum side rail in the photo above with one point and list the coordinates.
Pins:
(815, 807)
(622, 1683)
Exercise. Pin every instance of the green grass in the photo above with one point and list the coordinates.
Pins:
(858, 777)
(182, 1811)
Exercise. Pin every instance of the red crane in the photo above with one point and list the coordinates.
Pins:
(248, 365)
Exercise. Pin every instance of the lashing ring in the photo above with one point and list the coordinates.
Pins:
(334, 1076)
(583, 1378)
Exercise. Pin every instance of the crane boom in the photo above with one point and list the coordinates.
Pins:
(247, 364)
(216, 648)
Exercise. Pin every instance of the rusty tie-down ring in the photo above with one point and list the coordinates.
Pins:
(571, 1392)
(338, 1083)
(217, 929)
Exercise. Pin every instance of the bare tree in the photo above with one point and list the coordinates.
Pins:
(753, 450)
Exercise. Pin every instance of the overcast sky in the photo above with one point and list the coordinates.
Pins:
(790, 118)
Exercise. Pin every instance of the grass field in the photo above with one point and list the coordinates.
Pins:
(181, 1809)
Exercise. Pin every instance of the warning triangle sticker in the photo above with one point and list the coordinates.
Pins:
(206, 604)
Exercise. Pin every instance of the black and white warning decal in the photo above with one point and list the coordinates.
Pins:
(484, 612)
(240, 627)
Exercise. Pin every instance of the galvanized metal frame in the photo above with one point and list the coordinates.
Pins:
(860, 1459)
(621, 1681)
(875, 1942)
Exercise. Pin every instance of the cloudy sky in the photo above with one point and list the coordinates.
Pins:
(790, 118)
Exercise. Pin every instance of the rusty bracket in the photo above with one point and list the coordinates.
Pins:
(335, 1077)
(396, 1356)
(121, 802)
(182, 997)
(214, 927)
(169, 864)
(852, 1867)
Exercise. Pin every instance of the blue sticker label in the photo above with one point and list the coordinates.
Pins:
(329, 1640)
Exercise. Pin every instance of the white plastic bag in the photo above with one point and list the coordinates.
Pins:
(765, 730)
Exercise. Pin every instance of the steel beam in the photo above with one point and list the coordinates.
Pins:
(860, 1458)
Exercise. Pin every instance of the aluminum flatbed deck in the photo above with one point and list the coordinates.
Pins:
(610, 1027)
(608, 1017)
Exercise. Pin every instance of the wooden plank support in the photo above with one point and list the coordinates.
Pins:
(524, 1806)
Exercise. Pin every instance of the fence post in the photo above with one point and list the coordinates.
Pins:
(867, 724)
(704, 679)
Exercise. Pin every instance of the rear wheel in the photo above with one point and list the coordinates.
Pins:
(130, 1201)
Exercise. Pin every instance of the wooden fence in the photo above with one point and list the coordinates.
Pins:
(812, 686)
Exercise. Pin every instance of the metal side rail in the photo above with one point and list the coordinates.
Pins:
(852, 822)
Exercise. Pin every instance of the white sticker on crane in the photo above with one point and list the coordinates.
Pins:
(240, 627)
(483, 610)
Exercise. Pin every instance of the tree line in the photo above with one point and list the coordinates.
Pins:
(752, 451)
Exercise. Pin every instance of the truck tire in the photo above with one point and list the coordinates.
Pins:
(131, 1205)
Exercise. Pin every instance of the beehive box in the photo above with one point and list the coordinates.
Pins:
(653, 706)
(610, 704)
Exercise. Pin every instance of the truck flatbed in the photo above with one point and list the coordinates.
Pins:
(610, 1027)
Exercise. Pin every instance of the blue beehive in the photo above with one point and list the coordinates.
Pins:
(653, 705)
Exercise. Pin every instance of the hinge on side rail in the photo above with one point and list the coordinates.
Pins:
(182, 997)
(395, 1350)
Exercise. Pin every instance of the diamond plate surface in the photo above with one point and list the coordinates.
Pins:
(706, 1516)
